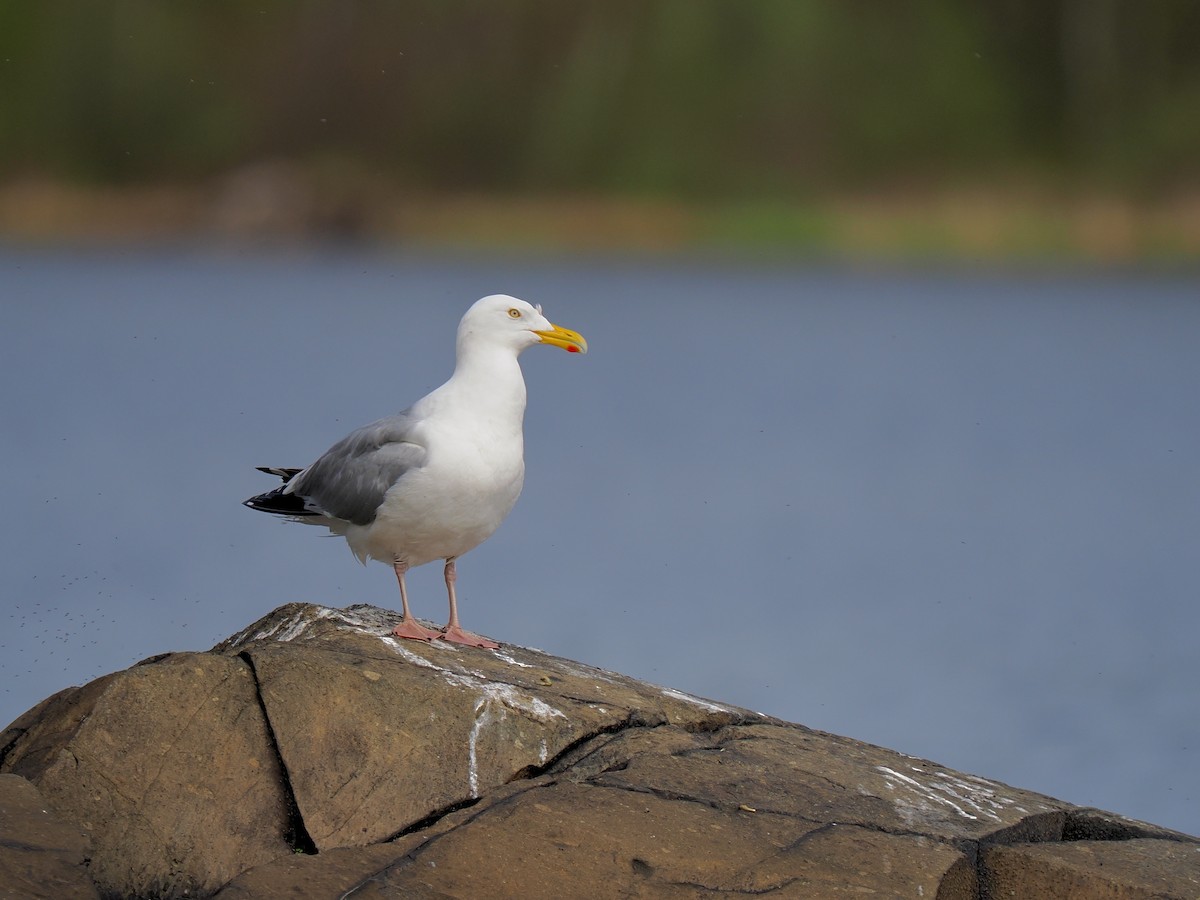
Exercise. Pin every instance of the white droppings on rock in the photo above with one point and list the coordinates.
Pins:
(508, 659)
(927, 797)
(926, 792)
(492, 704)
(516, 699)
(695, 701)
(492, 701)
(238, 639)
(458, 678)
(407, 655)
(588, 672)
(355, 621)
(482, 717)
(285, 631)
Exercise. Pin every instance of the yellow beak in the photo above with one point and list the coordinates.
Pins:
(571, 341)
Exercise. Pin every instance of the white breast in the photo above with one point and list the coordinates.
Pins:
(452, 504)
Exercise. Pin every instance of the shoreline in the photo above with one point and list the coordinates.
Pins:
(281, 202)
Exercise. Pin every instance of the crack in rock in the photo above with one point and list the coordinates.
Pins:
(295, 831)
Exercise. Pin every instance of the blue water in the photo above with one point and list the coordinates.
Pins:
(955, 514)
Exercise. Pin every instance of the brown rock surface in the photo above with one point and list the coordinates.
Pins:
(40, 854)
(1121, 870)
(169, 767)
(313, 754)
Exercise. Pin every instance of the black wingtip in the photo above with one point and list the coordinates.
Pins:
(284, 473)
(279, 503)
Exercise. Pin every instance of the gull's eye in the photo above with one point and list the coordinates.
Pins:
(514, 313)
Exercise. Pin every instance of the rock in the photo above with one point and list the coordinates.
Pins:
(40, 854)
(169, 766)
(313, 754)
(1122, 870)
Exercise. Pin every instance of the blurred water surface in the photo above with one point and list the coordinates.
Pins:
(952, 513)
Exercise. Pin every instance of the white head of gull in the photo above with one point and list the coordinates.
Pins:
(435, 480)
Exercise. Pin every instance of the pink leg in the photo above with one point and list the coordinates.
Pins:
(453, 631)
(408, 628)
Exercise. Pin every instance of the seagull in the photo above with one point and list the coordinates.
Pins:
(435, 480)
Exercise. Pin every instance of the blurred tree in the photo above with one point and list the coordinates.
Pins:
(685, 98)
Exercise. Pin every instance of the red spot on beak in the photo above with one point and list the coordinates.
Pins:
(572, 349)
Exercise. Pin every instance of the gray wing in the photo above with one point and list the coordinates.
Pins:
(349, 481)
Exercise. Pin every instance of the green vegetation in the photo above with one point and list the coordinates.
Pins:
(763, 108)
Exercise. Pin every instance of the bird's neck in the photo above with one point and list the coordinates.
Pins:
(490, 380)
